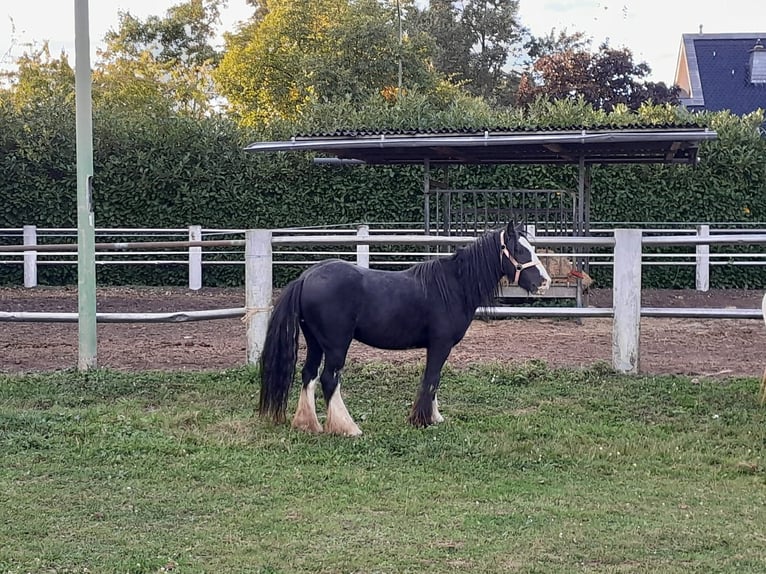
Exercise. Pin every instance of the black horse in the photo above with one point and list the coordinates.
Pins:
(430, 305)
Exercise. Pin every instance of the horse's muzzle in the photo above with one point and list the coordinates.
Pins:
(542, 288)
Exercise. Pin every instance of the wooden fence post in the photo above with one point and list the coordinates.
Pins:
(703, 260)
(195, 259)
(363, 251)
(258, 290)
(30, 257)
(626, 300)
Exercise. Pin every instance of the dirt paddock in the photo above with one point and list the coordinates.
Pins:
(710, 348)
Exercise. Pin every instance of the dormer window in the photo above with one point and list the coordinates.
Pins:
(758, 64)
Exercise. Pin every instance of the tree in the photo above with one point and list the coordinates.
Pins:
(554, 42)
(474, 41)
(264, 72)
(294, 53)
(40, 79)
(260, 8)
(495, 27)
(452, 42)
(161, 64)
(604, 79)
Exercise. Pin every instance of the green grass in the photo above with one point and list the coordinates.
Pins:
(535, 470)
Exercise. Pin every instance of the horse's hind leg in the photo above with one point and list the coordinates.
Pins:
(339, 421)
(305, 418)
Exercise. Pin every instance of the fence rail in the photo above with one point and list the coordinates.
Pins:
(198, 245)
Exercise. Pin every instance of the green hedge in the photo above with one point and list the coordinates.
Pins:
(176, 171)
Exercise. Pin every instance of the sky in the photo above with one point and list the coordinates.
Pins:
(652, 29)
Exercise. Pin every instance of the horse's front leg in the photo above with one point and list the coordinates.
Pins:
(425, 409)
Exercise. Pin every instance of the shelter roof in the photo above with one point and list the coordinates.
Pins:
(601, 145)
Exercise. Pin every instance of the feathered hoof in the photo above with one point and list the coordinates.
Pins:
(342, 428)
(307, 426)
(419, 420)
(422, 413)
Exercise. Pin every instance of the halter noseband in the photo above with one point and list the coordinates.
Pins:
(518, 266)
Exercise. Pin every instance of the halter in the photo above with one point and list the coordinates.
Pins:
(519, 266)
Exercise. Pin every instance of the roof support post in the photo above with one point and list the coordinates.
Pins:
(427, 195)
(580, 223)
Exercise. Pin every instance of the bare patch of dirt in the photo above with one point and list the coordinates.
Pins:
(720, 347)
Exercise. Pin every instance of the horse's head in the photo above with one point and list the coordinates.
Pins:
(520, 264)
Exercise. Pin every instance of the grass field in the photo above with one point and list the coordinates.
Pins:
(535, 470)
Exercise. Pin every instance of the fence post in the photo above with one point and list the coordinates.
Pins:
(363, 251)
(703, 260)
(195, 258)
(258, 290)
(626, 300)
(30, 257)
(531, 230)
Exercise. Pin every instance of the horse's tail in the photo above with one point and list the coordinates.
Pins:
(280, 353)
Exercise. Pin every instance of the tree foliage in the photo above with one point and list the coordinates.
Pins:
(297, 52)
(294, 54)
(40, 79)
(604, 79)
(554, 42)
(161, 63)
(473, 41)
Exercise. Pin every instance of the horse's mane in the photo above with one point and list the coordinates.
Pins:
(479, 265)
(430, 274)
(477, 269)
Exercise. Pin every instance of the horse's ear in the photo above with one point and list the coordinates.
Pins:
(514, 229)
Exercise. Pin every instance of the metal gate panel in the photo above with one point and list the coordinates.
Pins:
(547, 212)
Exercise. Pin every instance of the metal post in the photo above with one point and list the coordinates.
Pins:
(626, 300)
(258, 290)
(580, 224)
(426, 196)
(363, 250)
(30, 257)
(580, 197)
(195, 259)
(703, 260)
(86, 252)
(427, 203)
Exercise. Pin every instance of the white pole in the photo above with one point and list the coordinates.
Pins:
(703, 260)
(626, 300)
(30, 257)
(531, 230)
(258, 290)
(195, 259)
(363, 250)
(86, 250)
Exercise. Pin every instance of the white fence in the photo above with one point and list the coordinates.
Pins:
(260, 246)
(626, 247)
(194, 249)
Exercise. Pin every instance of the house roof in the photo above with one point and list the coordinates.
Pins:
(713, 72)
(666, 144)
